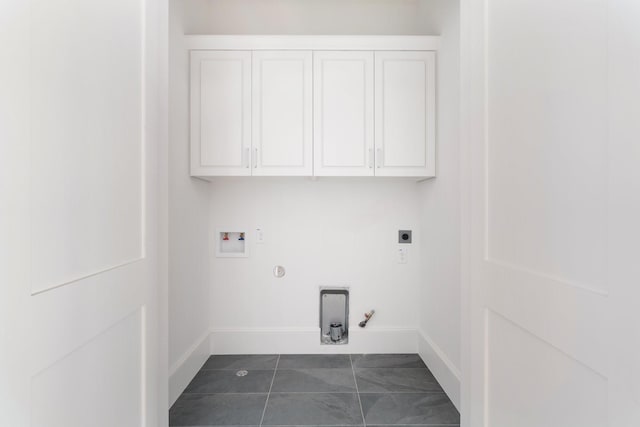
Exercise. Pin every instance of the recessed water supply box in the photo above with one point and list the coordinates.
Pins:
(334, 316)
(231, 243)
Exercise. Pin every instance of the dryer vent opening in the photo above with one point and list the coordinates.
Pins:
(334, 316)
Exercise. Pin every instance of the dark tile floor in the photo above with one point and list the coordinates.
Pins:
(314, 390)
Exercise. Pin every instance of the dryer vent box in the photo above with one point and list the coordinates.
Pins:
(334, 310)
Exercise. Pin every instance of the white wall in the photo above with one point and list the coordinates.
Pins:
(440, 320)
(328, 232)
(304, 17)
(188, 224)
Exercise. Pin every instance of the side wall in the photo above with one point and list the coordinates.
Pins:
(440, 322)
(188, 222)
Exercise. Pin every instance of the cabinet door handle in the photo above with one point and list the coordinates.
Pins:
(370, 158)
(255, 158)
(378, 158)
(246, 158)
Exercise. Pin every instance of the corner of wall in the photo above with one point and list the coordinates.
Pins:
(185, 369)
(441, 367)
(188, 223)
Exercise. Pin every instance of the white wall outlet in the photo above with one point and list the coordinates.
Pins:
(403, 255)
(259, 235)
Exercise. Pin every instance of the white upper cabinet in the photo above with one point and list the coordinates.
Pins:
(343, 113)
(282, 113)
(313, 105)
(405, 102)
(220, 113)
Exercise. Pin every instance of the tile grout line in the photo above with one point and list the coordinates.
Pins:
(353, 370)
(337, 425)
(289, 369)
(320, 392)
(266, 402)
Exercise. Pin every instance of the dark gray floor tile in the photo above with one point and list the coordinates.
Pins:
(387, 361)
(228, 382)
(409, 408)
(239, 362)
(217, 410)
(311, 361)
(396, 380)
(313, 409)
(314, 380)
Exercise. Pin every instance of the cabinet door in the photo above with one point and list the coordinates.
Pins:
(405, 113)
(220, 113)
(282, 117)
(343, 113)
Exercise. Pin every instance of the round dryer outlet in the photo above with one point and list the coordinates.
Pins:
(279, 271)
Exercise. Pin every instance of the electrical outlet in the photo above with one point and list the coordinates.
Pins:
(403, 255)
(259, 235)
(404, 236)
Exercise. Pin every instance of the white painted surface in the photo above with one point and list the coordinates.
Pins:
(405, 84)
(185, 368)
(306, 341)
(277, 17)
(80, 150)
(552, 335)
(343, 113)
(14, 207)
(565, 232)
(307, 42)
(101, 377)
(328, 232)
(440, 213)
(189, 247)
(623, 232)
(282, 119)
(220, 112)
(441, 366)
(81, 130)
(571, 394)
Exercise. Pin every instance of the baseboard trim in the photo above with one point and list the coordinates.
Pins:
(184, 369)
(307, 341)
(441, 366)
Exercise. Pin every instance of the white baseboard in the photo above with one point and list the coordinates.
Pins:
(184, 369)
(441, 366)
(307, 341)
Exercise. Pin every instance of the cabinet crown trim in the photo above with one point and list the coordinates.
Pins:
(259, 42)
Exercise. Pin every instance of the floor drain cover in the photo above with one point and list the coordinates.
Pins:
(242, 373)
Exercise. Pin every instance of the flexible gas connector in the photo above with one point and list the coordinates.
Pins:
(367, 316)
